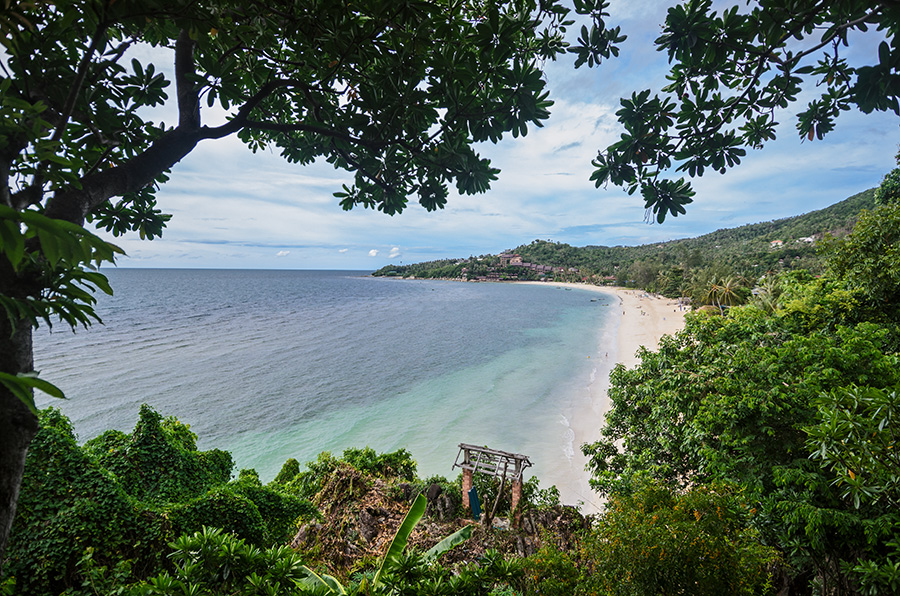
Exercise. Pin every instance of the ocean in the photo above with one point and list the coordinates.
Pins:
(271, 365)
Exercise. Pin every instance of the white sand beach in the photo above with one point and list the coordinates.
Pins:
(643, 320)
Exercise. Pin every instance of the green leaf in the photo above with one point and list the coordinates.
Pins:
(457, 537)
(50, 246)
(23, 384)
(315, 581)
(13, 242)
(398, 544)
(99, 280)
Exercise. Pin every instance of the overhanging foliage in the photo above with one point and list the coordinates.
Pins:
(733, 72)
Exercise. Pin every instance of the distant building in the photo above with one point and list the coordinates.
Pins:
(508, 258)
(776, 243)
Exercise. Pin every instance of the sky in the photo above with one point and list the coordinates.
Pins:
(235, 209)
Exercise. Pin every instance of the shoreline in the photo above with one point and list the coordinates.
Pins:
(643, 320)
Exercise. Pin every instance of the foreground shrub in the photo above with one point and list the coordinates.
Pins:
(395, 464)
(279, 511)
(657, 541)
(221, 507)
(855, 440)
(159, 462)
(307, 483)
(67, 505)
(212, 562)
(110, 507)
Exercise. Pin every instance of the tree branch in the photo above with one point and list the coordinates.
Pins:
(831, 38)
(188, 99)
(94, 188)
(356, 165)
(5, 197)
(243, 115)
(763, 57)
(73, 203)
(300, 127)
(77, 84)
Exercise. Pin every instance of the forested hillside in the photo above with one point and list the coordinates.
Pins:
(676, 268)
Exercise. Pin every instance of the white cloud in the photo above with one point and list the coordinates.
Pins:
(235, 209)
(282, 253)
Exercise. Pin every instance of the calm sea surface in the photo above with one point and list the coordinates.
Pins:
(276, 364)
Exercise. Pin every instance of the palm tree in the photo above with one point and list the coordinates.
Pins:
(766, 294)
(722, 292)
(728, 291)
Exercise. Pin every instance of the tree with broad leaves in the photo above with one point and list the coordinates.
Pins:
(732, 73)
(398, 92)
(731, 399)
(888, 192)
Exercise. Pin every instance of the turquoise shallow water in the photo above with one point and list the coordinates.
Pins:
(277, 364)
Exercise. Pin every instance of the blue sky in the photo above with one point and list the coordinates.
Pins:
(236, 209)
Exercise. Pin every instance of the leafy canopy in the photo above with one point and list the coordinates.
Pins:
(731, 74)
(395, 92)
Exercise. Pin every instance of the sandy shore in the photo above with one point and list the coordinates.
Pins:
(643, 320)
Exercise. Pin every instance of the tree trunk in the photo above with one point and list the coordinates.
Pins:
(17, 424)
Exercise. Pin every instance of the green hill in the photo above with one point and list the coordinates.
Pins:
(747, 252)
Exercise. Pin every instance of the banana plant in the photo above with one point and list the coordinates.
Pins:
(324, 582)
(392, 558)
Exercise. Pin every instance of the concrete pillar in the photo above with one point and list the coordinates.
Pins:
(466, 487)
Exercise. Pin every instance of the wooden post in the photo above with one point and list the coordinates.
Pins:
(489, 519)
(495, 463)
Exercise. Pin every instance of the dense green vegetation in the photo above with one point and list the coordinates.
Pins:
(147, 513)
(653, 540)
(797, 405)
(121, 498)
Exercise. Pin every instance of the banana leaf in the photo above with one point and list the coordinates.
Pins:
(398, 544)
(457, 537)
(314, 580)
